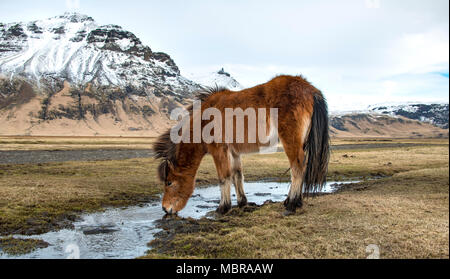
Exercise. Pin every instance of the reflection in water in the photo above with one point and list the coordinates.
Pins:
(124, 233)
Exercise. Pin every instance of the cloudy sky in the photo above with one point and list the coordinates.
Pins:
(358, 52)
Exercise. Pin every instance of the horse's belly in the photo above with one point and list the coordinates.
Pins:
(240, 148)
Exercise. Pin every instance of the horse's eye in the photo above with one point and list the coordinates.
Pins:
(169, 183)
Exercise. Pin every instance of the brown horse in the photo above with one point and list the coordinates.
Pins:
(302, 129)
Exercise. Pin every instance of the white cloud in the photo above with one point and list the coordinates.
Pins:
(389, 88)
(73, 4)
(372, 4)
(420, 52)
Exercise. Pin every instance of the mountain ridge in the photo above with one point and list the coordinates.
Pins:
(433, 113)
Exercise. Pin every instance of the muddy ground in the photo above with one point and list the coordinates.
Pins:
(46, 156)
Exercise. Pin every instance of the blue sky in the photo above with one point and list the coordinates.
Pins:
(358, 52)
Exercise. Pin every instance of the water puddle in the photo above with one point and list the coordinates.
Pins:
(124, 233)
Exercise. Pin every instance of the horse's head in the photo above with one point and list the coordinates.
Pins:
(178, 184)
(178, 187)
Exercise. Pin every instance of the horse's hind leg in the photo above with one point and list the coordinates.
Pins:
(238, 179)
(295, 196)
(293, 146)
(222, 159)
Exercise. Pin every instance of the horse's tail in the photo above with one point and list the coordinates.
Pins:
(317, 148)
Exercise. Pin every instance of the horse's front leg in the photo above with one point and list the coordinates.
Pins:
(222, 159)
(238, 180)
(225, 198)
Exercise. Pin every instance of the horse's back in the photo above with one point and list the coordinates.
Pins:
(282, 92)
(292, 96)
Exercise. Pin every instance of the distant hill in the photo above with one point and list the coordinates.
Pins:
(376, 125)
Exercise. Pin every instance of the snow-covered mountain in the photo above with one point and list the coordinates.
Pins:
(75, 48)
(218, 78)
(85, 78)
(436, 114)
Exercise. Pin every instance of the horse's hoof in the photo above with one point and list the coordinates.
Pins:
(242, 202)
(223, 209)
(292, 205)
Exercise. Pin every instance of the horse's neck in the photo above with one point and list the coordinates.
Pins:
(189, 157)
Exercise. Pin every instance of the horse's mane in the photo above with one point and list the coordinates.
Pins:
(164, 148)
(206, 92)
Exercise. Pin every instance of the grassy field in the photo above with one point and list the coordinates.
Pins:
(36, 198)
(76, 143)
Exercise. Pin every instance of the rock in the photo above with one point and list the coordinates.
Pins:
(206, 206)
(262, 194)
(99, 230)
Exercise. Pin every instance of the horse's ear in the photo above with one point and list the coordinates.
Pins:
(162, 171)
(171, 166)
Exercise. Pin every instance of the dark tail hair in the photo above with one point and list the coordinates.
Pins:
(317, 148)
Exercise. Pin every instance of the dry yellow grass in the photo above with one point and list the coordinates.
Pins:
(95, 142)
(386, 161)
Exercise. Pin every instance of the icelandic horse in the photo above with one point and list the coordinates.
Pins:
(302, 130)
